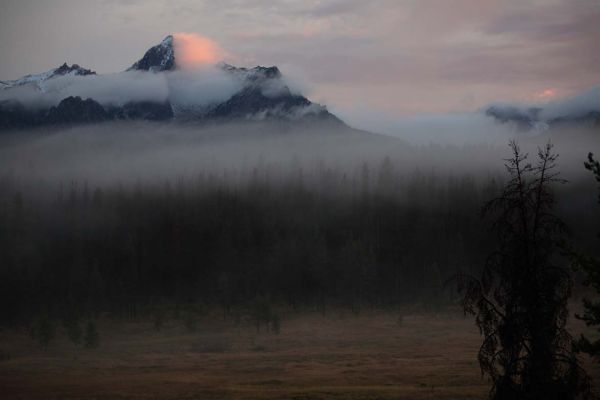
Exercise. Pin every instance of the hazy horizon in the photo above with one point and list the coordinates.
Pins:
(391, 58)
(407, 208)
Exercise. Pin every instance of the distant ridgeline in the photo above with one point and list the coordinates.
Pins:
(581, 110)
(263, 95)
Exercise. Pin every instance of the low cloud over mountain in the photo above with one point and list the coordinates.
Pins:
(178, 79)
(581, 109)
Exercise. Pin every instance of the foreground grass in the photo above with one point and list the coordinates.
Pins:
(370, 356)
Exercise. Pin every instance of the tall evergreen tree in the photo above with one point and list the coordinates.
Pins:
(520, 300)
(591, 267)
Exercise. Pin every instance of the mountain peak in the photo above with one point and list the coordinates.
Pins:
(74, 69)
(257, 73)
(259, 93)
(39, 79)
(158, 58)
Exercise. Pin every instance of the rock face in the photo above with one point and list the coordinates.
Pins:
(252, 104)
(145, 110)
(265, 95)
(73, 110)
(13, 115)
(255, 75)
(73, 70)
(158, 58)
(261, 94)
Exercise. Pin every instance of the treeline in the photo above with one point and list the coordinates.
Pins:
(371, 237)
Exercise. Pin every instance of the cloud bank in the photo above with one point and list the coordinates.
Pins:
(473, 128)
(574, 106)
(404, 56)
(198, 87)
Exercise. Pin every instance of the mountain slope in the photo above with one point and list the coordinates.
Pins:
(582, 109)
(158, 58)
(260, 93)
(38, 80)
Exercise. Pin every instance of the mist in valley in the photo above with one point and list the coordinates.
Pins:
(190, 229)
(193, 228)
(406, 215)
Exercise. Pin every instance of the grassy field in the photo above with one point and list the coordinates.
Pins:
(369, 356)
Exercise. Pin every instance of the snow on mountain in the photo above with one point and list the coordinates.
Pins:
(155, 88)
(39, 79)
(158, 58)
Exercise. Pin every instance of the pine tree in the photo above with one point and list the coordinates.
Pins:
(591, 267)
(520, 300)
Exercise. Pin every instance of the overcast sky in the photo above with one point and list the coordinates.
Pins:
(398, 56)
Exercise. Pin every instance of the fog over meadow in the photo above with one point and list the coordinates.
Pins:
(322, 199)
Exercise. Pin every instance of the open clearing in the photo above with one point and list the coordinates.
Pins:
(370, 356)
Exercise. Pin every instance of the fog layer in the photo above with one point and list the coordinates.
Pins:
(148, 152)
(196, 88)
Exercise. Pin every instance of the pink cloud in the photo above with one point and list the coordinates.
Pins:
(193, 50)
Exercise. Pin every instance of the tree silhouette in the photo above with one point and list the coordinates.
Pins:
(520, 300)
(591, 267)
